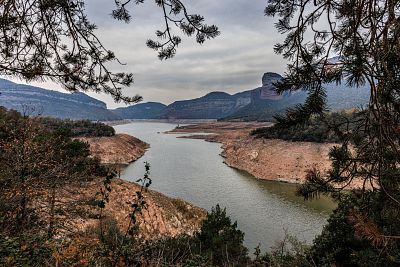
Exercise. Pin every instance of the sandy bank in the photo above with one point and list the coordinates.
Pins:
(121, 148)
(265, 159)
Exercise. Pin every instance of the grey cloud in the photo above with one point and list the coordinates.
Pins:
(232, 62)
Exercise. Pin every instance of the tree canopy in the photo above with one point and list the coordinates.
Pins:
(54, 40)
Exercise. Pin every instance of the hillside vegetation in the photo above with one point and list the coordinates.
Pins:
(318, 129)
(80, 128)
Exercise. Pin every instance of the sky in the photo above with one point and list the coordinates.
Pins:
(233, 62)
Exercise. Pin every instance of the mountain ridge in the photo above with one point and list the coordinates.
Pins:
(258, 104)
(44, 102)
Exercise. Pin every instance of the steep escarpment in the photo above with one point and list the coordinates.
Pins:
(120, 148)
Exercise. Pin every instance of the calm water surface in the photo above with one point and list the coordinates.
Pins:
(193, 170)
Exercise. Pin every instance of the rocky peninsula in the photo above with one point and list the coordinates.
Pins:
(269, 159)
(117, 149)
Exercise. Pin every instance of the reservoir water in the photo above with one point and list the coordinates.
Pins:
(194, 171)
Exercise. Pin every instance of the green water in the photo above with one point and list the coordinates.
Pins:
(194, 171)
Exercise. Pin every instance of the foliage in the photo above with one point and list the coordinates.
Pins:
(77, 128)
(326, 128)
(35, 166)
(23, 251)
(222, 242)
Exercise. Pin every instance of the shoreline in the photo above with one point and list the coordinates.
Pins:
(172, 121)
(164, 215)
(265, 159)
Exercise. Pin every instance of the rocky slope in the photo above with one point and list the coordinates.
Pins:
(164, 216)
(117, 149)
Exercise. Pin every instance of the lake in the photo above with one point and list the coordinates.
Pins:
(194, 171)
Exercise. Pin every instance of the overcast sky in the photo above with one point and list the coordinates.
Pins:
(233, 62)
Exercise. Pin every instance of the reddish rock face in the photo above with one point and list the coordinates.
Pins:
(118, 149)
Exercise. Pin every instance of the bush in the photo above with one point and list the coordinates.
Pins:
(24, 251)
(221, 241)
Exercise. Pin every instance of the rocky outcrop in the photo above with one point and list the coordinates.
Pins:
(163, 216)
(117, 149)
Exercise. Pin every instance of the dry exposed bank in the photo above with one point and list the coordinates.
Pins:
(164, 216)
(265, 159)
(120, 148)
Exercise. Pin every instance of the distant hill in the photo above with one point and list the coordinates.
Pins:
(211, 106)
(218, 105)
(52, 103)
(261, 103)
(149, 110)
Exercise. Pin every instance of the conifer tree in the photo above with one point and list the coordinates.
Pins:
(364, 38)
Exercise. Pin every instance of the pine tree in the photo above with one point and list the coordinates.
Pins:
(364, 36)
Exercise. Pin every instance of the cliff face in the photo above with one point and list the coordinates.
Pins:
(218, 105)
(52, 103)
(120, 149)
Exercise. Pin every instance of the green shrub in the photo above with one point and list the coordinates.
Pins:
(221, 241)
